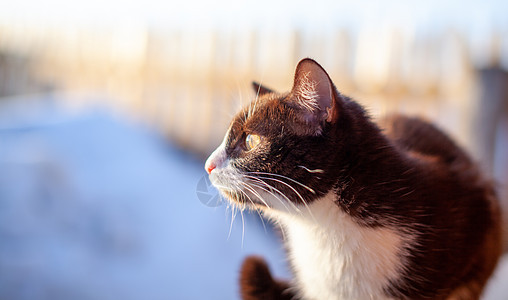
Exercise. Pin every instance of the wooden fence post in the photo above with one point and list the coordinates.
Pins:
(492, 109)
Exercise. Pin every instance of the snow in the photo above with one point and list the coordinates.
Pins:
(95, 207)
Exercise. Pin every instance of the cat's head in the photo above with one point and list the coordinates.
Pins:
(281, 150)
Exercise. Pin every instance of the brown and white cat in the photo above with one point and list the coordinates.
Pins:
(390, 211)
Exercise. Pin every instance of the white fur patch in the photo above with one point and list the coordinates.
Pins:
(218, 156)
(336, 258)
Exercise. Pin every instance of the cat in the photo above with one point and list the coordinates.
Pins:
(394, 210)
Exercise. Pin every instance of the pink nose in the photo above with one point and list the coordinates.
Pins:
(209, 167)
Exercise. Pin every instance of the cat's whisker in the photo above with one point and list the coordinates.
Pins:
(251, 108)
(289, 201)
(255, 194)
(241, 209)
(246, 195)
(257, 92)
(311, 170)
(285, 183)
(288, 178)
(250, 188)
(234, 208)
(240, 95)
(295, 191)
(224, 111)
(253, 204)
(243, 226)
(268, 190)
(270, 187)
(233, 215)
(223, 187)
(256, 100)
(282, 230)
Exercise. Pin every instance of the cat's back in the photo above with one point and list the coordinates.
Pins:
(473, 206)
(423, 140)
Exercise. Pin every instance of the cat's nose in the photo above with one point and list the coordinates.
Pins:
(209, 166)
(216, 160)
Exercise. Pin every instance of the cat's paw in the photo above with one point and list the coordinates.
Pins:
(256, 281)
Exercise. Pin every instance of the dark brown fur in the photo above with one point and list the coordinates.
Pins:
(403, 173)
(257, 283)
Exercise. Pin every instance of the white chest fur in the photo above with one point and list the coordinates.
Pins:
(336, 258)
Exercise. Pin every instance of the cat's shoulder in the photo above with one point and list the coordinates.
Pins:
(421, 138)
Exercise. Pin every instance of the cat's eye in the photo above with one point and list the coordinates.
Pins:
(251, 141)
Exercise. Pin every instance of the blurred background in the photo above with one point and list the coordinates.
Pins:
(109, 108)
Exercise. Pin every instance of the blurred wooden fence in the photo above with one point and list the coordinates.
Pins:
(189, 83)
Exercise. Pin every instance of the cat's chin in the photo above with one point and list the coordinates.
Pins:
(241, 200)
(233, 197)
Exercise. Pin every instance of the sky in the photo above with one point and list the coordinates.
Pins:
(247, 13)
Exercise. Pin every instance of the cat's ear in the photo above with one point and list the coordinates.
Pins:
(260, 90)
(314, 92)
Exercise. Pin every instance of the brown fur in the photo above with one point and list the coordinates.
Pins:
(256, 282)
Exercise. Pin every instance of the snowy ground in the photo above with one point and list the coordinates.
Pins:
(94, 207)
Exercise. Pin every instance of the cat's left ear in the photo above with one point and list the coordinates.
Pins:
(314, 92)
(260, 90)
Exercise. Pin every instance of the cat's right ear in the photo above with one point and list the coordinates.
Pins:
(260, 90)
(314, 93)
